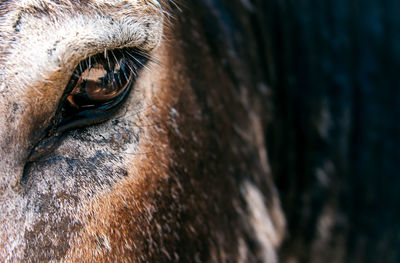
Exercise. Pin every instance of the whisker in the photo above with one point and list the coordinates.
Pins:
(116, 60)
(95, 60)
(176, 5)
(143, 54)
(147, 153)
(80, 67)
(136, 112)
(109, 62)
(90, 62)
(138, 61)
(132, 70)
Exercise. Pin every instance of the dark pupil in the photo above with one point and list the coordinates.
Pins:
(100, 83)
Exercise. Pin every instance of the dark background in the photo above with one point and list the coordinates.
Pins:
(328, 71)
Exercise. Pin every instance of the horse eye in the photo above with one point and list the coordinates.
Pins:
(98, 88)
(101, 83)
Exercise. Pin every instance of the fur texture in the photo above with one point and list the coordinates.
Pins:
(179, 174)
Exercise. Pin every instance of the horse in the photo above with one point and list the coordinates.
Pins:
(199, 131)
(125, 138)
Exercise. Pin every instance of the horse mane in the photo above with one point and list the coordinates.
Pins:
(319, 74)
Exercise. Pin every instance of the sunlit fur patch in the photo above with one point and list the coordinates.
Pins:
(265, 222)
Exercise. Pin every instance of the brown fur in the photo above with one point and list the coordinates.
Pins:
(170, 178)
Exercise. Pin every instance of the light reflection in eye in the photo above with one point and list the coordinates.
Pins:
(101, 83)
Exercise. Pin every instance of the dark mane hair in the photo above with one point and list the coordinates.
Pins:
(324, 77)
